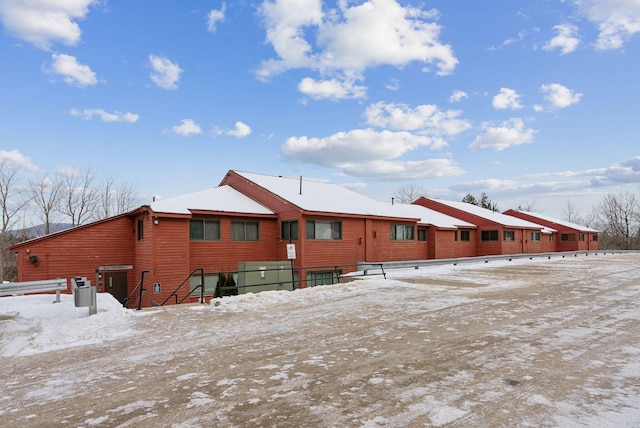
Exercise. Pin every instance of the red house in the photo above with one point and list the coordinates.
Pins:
(250, 220)
(496, 233)
(568, 236)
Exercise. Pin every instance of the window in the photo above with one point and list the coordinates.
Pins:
(322, 278)
(595, 237)
(140, 230)
(401, 232)
(465, 235)
(455, 235)
(422, 234)
(568, 237)
(210, 281)
(317, 229)
(204, 230)
(581, 237)
(509, 235)
(489, 235)
(289, 230)
(535, 236)
(244, 231)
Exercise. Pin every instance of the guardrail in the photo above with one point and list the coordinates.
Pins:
(19, 288)
(417, 264)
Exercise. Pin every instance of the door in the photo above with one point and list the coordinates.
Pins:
(116, 284)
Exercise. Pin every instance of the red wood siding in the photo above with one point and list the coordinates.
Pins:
(587, 244)
(78, 251)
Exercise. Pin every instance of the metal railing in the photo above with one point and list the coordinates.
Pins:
(375, 269)
(138, 288)
(199, 286)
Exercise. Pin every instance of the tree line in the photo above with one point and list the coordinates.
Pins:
(616, 216)
(73, 197)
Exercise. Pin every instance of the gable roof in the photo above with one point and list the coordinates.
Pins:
(496, 217)
(558, 222)
(319, 196)
(221, 199)
(310, 195)
(428, 216)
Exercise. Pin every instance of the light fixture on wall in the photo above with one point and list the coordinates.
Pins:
(34, 260)
(156, 220)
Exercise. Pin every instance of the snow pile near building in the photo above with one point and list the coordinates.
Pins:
(32, 324)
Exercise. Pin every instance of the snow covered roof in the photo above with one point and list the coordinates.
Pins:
(326, 197)
(222, 199)
(503, 219)
(312, 195)
(560, 222)
(428, 216)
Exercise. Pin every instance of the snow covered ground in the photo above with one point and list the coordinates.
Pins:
(507, 343)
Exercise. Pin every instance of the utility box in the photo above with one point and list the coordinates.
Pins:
(84, 295)
(254, 277)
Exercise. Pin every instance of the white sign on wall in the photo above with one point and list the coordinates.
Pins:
(291, 251)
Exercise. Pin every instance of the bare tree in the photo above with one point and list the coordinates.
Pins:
(126, 197)
(46, 193)
(529, 206)
(409, 193)
(115, 199)
(106, 198)
(570, 213)
(80, 198)
(13, 199)
(620, 216)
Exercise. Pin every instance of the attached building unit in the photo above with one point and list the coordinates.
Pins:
(253, 221)
(568, 236)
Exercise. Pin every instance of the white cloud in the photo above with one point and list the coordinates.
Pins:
(241, 130)
(15, 159)
(352, 146)
(332, 89)
(567, 39)
(457, 96)
(73, 73)
(369, 153)
(508, 134)
(45, 21)
(344, 45)
(392, 85)
(560, 96)
(89, 113)
(513, 40)
(187, 127)
(165, 73)
(507, 99)
(214, 17)
(617, 20)
(425, 119)
(403, 170)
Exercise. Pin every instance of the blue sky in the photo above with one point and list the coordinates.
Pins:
(528, 101)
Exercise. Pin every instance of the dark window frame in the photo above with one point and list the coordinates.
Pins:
(403, 235)
(422, 234)
(289, 230)
(312, 232)
(203, 232)
(489, 235)
(244, 238)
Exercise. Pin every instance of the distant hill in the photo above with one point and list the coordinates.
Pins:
(37, 231)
